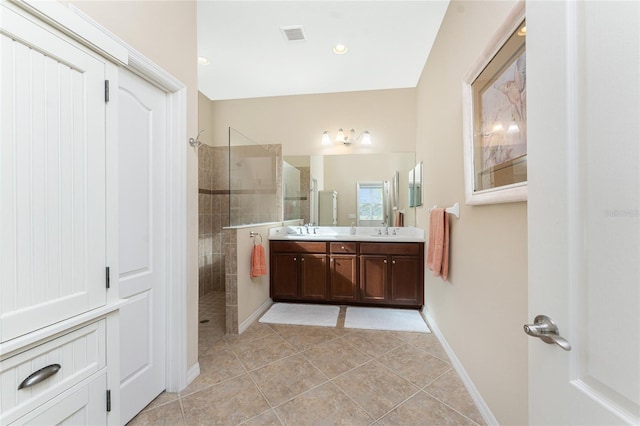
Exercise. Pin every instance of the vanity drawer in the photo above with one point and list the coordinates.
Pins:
(408, 249)
(348, 248)
(79, 354)
(299, 246)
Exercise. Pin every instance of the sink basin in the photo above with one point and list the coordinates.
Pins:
(336, 233)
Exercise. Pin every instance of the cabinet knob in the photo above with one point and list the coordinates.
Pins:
(342, 247)
(295, 258)
(385, 261)
(393, 261)
(302, 259)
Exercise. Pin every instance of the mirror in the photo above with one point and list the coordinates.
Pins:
(341, 173)
(415, 186)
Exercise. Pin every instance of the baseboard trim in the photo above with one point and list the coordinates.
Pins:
(485, 412)
(193, 372)
(255, 315)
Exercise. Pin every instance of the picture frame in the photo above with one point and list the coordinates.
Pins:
(494, 118)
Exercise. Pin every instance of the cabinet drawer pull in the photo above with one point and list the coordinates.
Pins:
(39, 376)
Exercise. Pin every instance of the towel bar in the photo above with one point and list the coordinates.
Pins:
(454, 210)
(253, 234)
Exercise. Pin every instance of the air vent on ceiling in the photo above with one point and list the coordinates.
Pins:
(293, 33)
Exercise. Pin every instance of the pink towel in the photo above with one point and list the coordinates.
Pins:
(399, 219)
(258, 261)
(438, 249)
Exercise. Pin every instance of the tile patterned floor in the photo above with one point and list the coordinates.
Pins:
(298, 375)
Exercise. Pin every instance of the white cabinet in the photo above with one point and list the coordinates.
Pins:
(81, 405)
(52, 177)
(58, 321)
(72, 359)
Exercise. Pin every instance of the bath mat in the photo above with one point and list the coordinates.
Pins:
(385, 319)
(302, 314)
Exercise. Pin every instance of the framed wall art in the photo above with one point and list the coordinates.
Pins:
(495, 118)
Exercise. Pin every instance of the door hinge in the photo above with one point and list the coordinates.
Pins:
(106, 91)
(107, 276)
(108, 400)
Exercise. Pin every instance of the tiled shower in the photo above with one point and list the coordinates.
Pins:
(238, 185)
(213, 215)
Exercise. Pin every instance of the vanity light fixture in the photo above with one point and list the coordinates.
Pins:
(352, 138)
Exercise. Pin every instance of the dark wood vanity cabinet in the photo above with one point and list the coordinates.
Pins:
(313, 276)
(298, 270)
(343, 272)
(353, 273)
(390, 271)
(373, 278)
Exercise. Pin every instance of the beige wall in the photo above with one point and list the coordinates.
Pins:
(252, 293)
(205, 119)
(165, 32)
(297, 122)
(481, 308)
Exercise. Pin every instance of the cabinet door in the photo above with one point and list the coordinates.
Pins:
(343, 278)
(313, 276)
(373, 278)
(52, 178)
(284, 275)
(406, 283)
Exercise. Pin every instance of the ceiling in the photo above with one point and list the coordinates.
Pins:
(388, 44)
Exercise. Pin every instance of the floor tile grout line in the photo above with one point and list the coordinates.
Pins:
(399, 404)
(450, 407)
(446, 359)
(375, 419)
(434, 380)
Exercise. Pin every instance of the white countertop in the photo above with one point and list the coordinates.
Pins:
(346, 233)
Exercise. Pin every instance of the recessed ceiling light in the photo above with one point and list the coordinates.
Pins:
(202, 60)
(340, 49)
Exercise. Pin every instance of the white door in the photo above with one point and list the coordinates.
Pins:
(52, 177)
(584, 210)
(142, 163)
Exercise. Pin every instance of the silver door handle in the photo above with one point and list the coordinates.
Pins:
(547, 330)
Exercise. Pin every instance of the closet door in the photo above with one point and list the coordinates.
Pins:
(52, 177)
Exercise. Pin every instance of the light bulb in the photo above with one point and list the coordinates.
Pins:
(366, 138)
(326, 140)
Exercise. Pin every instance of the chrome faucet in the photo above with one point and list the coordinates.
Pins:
(386, 228)
(306, 225)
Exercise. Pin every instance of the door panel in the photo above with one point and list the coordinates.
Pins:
(52, 178)
(284, 268)
(343, 280)
(142, 129)
(313, 276)
(584, 204)
(373, 278)
(405, 279)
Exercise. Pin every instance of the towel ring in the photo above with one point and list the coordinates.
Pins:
(253, 234)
